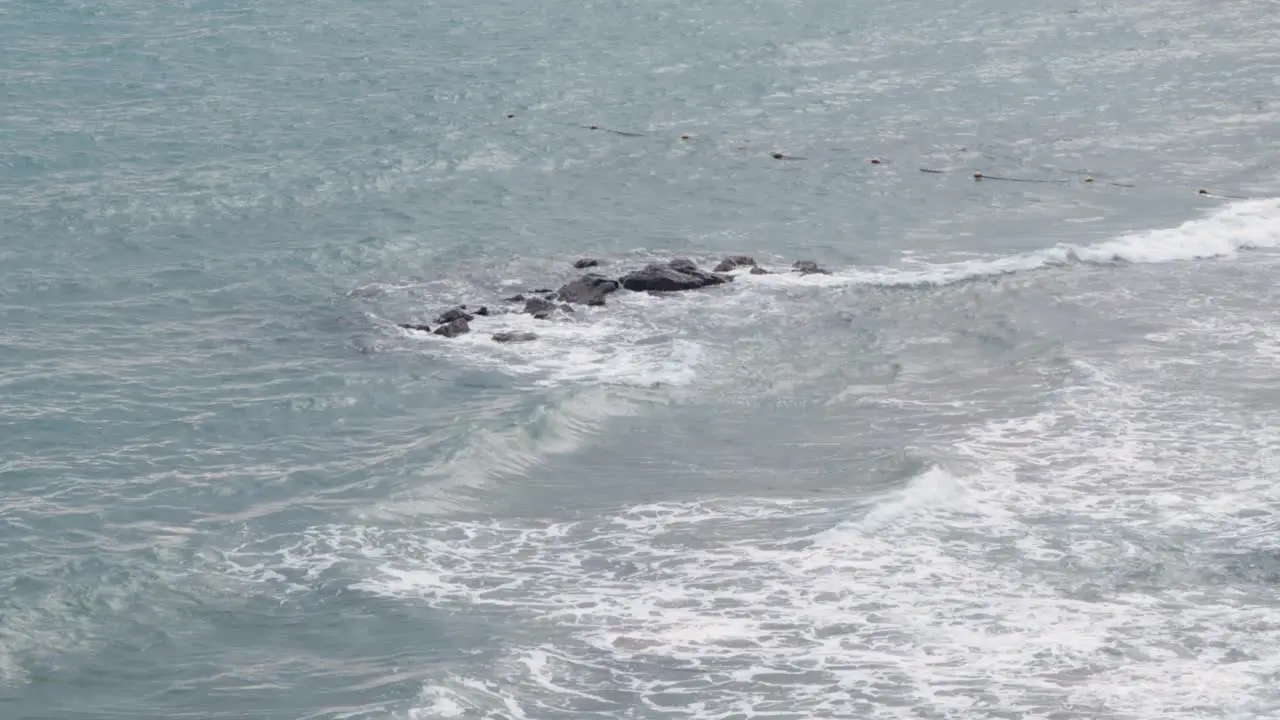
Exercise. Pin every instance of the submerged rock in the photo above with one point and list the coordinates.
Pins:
(540, 308)
(457, 313)
(590, 289)
(514, 337)
(678, 274)
(735, 261)
(757, 270)
(453, 328)
(657, 278)
(808, 267)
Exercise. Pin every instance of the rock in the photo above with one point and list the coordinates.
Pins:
(566, 307)
(453, 328)
(482, 310)
(538, 307)
(422, 328)
(808, 267)
(589, 289)
(735, 261)
(684, 265)
(458, 313)
(757, 270)
(678, 274)
(585, 263)
(521, 297)
(514, 337)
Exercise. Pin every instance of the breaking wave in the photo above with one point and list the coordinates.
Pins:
(639, 340)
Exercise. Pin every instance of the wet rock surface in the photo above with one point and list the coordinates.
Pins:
(453, 328)
(514, 337)
(457, 313)
(733, 262)
(808, 267)
(540, 308)
(591, 289)
(673, 276)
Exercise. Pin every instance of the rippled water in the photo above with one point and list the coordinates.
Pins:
(1014, 457)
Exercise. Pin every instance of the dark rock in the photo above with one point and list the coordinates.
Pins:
(735, 261)
(458, 313)
(537, 304)
(453, 328)
(588, 289)
(684, 265)
(808, 267)
(566, 307)
(757, 270)
(482, 310)
(678, 274)
(585, 263)
(409, 326)
(514, 337)
(521, 297)
(539, 307)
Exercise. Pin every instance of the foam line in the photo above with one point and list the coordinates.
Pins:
(642, 341)
(1246, 225)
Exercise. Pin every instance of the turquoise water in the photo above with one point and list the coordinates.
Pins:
(1014, 457)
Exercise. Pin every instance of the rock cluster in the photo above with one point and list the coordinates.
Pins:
(592, 288)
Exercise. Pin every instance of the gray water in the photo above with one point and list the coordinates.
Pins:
(1015, 457)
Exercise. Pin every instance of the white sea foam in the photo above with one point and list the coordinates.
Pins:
(1243, 225)
(640, 340)
(1103, 558)
(993, 594)
(614, 346)
(590, 368)
(645, 341)
(946, 599)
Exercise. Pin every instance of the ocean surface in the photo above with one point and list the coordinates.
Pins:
(1016, 456)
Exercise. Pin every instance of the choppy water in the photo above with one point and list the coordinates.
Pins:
(1016, 457)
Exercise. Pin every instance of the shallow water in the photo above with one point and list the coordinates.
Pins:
(1012, 458)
